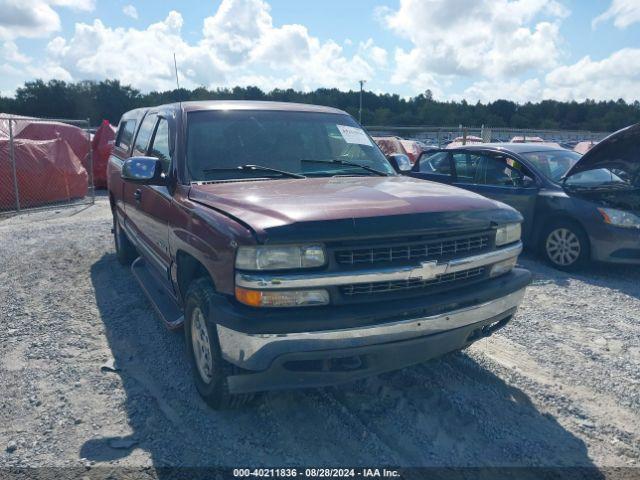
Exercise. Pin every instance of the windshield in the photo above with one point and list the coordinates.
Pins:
(553, 164)
(221, 143)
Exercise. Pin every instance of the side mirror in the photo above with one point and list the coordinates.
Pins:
(400, 162)
(143, 170)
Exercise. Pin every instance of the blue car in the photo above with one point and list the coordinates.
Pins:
(576, 208)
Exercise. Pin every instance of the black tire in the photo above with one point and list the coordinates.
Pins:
(125, 251)
(565, 245)
(212, 384)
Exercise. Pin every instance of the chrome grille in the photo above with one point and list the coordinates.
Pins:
(383, 287)
(427, 249)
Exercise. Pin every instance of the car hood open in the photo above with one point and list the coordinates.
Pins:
(620, 150)
(343, 206)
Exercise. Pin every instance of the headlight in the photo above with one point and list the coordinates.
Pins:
(509, 233)
(620, 218)
(282, 298)
(280, 257)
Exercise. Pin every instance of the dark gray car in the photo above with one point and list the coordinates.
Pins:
(576, 208)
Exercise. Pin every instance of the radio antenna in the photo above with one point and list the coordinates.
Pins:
(175, 66)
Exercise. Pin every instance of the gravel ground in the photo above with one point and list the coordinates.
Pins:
(559, 387)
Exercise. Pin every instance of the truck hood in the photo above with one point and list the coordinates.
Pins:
(620, 150)
(345, 206)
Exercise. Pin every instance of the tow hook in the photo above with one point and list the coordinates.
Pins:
(487, 330)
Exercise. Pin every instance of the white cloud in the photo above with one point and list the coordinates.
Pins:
(143, 58)
(515, 90)
(377, 55)
(617, 76)
(480, 38)
(35, 18)
(15, 67)
(21, 19)
(623, 13)
(86, 5)
(130, 11)
(501, 48)
(10, 52)
(239, 45)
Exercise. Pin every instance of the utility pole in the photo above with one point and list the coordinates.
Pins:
(362, 82)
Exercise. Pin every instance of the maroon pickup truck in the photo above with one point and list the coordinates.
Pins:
(292, 251)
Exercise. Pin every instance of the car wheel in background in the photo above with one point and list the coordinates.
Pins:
(210, 370)
(125, 251)
(564, 245)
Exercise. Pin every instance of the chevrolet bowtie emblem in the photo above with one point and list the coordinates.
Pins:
(428, 270)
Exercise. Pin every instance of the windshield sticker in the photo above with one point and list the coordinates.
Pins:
(354, 135)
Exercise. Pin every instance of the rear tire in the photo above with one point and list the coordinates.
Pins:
(565, 245)
(210, 370)
(125, 251)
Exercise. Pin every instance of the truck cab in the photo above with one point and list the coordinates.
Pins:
(283, 241)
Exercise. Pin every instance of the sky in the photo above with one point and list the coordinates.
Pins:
(479, 50)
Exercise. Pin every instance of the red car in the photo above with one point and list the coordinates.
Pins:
(292, 252)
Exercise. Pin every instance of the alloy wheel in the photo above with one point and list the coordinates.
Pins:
(563, 247)
(201, 346)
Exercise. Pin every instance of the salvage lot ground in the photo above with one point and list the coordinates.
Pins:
(559, 387)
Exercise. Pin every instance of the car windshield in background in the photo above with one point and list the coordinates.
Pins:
(556, 163)
(222, 145)
(553, 164)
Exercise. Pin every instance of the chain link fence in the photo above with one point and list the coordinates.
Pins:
(442, 136)
(44, 163)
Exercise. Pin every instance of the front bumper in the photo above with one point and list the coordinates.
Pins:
(615, 244)
(326, 357)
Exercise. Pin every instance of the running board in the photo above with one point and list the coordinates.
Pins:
(161, 299)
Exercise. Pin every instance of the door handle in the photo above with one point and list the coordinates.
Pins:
(137, 195)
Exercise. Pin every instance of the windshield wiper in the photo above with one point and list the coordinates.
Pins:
(336, 161)
(249, 168)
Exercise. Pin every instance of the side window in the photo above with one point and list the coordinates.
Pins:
(436, 162)
(125, 134)
(144, 135)
(160, 146)
(466, 167)
(497, 171)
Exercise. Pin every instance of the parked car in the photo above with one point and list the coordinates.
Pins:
(392, 146)
(527, 139)
(462, 141)
(584, 147)
(292, 252)
(576, 208)
(414, 148)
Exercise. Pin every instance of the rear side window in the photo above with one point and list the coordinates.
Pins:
(144, 135)
(125, 134)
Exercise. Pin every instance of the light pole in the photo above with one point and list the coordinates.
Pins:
(362, 82)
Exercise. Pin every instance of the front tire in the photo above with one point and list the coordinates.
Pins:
(210, 370)
(565, 246)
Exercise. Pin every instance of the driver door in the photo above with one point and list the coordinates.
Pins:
(500, 177)
(434, 165)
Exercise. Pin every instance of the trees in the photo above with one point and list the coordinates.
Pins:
(108, 99)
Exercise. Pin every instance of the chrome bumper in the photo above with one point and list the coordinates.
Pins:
(257, 351)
